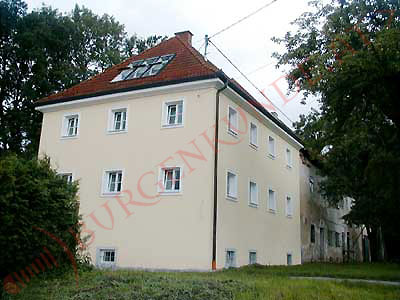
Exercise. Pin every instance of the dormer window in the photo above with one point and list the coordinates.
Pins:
(144, 67)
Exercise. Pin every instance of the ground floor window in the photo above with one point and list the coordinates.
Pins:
(230, 261)
(337, 239)
(106, 256)
(252, 257)
(289, 259)
(312, 233)
(330, 238)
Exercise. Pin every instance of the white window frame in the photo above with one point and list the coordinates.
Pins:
(111, 120)
(256, 202)
(289, 210)
(253, 144)
(235, 196)
(271, 209)
(162, 190)
(252, 252)
(69, 174)
(289, 158)
(234, 129)
(105, 182)
(65, 128)
(164, 119)
(271, 154)
(234, 265)
(99, 257)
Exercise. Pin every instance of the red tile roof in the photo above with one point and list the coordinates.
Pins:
(188, 63)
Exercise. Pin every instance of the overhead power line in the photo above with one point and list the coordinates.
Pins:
(244, 75)
(244, 18)
(241, 20)
(260, 68)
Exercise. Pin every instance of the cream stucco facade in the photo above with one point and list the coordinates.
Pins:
(148, 228)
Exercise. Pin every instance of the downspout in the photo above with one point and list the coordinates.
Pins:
(214, 246)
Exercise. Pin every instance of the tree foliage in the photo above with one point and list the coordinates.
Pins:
(45, 51)
(347, 53)
(34, 197)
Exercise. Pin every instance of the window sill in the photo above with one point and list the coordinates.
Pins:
(253, 205)
(271, 156)
(111, 132)
(289, 216)
(105, 195)
(233, 199)
(288, 167)
(272, 211)
(173, 193)
(233, 133)
(165, 126)
(253, 146)
(69, 137)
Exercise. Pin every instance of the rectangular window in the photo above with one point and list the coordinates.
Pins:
(253, 135)
(230, 260)
(252, 257)
(271, 146)
(311, 181)
(271, 200)
(343, 240)
(233, 122)
(289, 206)
(173, 113)
(253, 194)
(113, 182)
(107, 256)
(67, 177)
(337, 239)
(231, 185)
(119, 120)
(71, 126)
(330, 238)
(289, 261)
(172, 180)
(312, 234)
(289, 158)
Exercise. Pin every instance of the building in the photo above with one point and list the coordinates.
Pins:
(178, 166)
(324, 234)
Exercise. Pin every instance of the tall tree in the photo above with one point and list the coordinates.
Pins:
(347, 53)
(45, 51)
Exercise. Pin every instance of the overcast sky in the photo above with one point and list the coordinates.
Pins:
(247, 44)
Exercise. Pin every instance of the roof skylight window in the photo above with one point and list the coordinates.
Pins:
(144, 67)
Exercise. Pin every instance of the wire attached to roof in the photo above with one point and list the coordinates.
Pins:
(244, 75)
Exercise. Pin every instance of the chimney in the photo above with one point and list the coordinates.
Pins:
(186, 36)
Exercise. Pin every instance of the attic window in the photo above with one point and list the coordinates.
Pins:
(144, 68)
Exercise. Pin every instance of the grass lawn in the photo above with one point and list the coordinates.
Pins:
(253, 282)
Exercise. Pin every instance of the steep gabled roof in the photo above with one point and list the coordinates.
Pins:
(187, 65)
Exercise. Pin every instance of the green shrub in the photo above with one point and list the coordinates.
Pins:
(35, 203)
